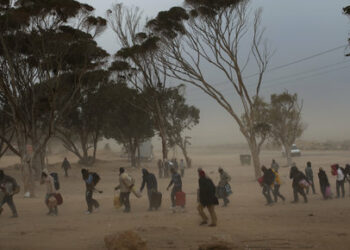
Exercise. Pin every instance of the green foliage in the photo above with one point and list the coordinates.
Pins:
(148, 45)
(169, 23)
(127, 118)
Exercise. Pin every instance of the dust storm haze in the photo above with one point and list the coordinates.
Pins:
(262, 208)
(294, 30)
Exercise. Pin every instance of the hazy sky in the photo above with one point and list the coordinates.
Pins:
(295, 29)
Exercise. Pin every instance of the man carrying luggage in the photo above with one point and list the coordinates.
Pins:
(177, 186)
(90, 188)
(297, 176)
(50, 199)
(8, 187)
(126, 183)
(152, 186)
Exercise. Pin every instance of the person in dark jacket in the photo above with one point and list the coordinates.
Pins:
(297, 176)
(324, 183)
(90, 188)
(8, 186)
(207, 199)
(177, 185)
(66, 166)
(268, 181)
(152, 186)
(310, 177)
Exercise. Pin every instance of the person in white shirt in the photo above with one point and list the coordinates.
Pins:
(340, 182)
(50, 199)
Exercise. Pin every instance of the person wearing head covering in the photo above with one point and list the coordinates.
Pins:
(297, 176)
(66, 166)
(150, 180)
(176, 182)
(276, 187)
(268, 181)
(8, 187)
(126, 183)
(207, 198)
(310, 177)
(324, 183)
(50, 199)
(225, 178)
(90, 187)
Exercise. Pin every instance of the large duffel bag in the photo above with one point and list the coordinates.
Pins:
(156, 199)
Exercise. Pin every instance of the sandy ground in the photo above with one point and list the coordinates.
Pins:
(247, 222)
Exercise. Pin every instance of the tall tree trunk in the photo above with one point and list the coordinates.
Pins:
(255, 152)
(288, 155)
(184, 152)
(132, 152)
(138, 154)
(164, 148)
(95, 149)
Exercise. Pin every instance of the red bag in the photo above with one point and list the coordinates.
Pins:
(334, 169)
(180, 199)
(261, 180)
(59, 198)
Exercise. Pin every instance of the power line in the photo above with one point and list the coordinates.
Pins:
(300, 60)
(299, 78)
(287, 64)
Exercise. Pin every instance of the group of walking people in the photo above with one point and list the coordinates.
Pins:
(302, 182)
(164, 167)
(208, 195)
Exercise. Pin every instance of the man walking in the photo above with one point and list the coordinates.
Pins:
(66, 165)
(8, 188)
(225, 178)
(207, 199)
(50, 199)
(268, 181)
(152, 186)
(277, 185)
(310, 178)
(297, 176)
(340, 182)
(90, 188)
(176, 182)
(126, 183)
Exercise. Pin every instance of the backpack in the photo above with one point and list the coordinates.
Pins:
(95, 178)
(56, 182)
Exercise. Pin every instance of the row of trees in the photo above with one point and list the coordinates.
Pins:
(55, 81)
